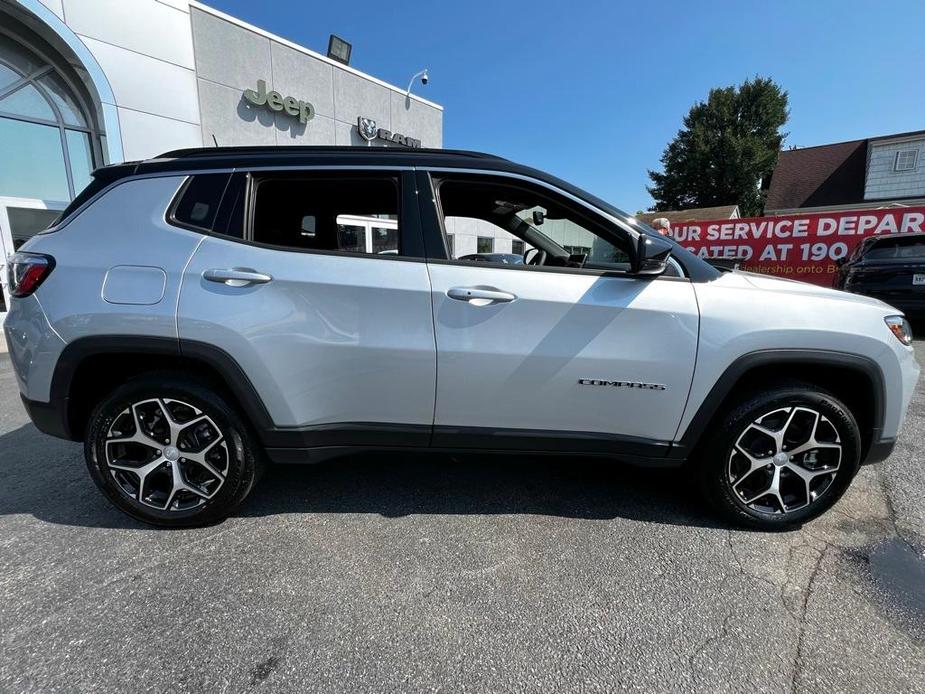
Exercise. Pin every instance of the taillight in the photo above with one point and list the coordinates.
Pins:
(27, 271)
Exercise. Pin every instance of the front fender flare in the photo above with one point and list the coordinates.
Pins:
(733, 374)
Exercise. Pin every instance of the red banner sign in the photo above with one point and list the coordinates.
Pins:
(801, 247)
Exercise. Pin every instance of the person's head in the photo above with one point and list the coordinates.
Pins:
(662, 226)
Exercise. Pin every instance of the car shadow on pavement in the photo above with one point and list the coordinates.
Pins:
(396, 485)
(47, 478)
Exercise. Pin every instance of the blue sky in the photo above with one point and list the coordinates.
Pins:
(592, 91)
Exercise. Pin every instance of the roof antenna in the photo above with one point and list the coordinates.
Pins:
(214, 140)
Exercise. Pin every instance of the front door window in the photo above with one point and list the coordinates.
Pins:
(568, 235)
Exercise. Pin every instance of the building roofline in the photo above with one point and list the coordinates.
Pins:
(897, 136)
(896, 203)
(875, 138)
(307, 51)
(827, 144)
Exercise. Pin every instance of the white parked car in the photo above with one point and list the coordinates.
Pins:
(192, 316)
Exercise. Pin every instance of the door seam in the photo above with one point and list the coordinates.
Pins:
(433, 315)
(176, 313)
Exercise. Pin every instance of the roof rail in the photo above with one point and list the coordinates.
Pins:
(205, 152)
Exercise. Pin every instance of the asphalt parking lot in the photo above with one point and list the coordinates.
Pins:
(405, 574)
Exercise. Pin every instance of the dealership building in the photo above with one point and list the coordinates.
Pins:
(89, 82)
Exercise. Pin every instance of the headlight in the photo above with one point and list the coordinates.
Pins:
(900, 327)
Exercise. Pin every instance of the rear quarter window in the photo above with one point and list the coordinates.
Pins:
(197, 205)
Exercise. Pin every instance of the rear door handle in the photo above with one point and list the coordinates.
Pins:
(486, 295)
(236, 276)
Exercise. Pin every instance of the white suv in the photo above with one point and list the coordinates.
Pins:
(192, 316)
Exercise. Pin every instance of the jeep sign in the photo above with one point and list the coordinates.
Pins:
(277, 102)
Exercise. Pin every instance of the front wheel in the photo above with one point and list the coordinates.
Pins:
(781, 457)
(170, 452)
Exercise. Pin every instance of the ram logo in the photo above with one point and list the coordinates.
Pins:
(621, 384)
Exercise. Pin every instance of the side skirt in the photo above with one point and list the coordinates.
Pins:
(311, 456)
(317, 444)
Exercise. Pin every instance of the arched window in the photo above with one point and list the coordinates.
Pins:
(48, 140)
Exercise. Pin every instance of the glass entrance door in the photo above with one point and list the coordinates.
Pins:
(20, 220)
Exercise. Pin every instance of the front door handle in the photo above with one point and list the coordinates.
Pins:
(236, 276)
(480, 296)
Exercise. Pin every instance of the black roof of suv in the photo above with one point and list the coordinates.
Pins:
(206, 158)
(285, 155)
(203, 159)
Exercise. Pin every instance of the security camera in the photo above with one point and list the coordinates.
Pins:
(422, 74)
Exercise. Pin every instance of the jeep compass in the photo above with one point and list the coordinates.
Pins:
(193, 317)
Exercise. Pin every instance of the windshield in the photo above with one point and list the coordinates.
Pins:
(898, 248)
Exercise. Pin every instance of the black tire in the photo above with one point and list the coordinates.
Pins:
(713, 462)
(244, 459)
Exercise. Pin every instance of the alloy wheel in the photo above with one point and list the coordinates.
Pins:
(785, 460)
(167, 454)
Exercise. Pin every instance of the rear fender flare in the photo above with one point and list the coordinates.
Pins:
(217, 359)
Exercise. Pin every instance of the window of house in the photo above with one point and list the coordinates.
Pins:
(345, 213)
(451, 245)
(485, 244)
(906, 160)
(517, 247)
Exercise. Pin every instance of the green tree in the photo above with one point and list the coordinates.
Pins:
(728, 145)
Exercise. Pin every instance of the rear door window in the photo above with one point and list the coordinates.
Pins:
(332, 212)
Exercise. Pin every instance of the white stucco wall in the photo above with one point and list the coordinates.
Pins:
(145, 49)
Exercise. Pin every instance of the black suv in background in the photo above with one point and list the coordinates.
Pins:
(889, 268)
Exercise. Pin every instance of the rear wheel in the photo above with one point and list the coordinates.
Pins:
(781, 457)
(171, 452)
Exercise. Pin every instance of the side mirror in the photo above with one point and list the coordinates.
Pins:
(651, 255)
(538, 217)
